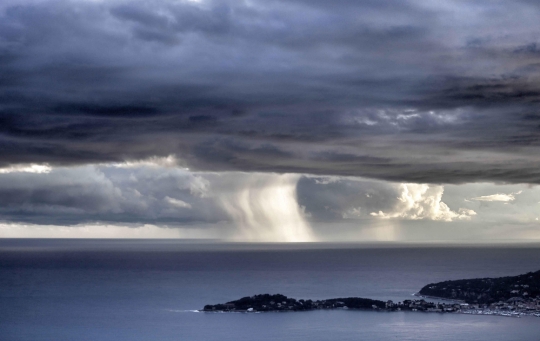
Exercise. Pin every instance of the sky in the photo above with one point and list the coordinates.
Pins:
(279, 121)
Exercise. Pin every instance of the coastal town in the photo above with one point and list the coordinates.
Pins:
(514, 307)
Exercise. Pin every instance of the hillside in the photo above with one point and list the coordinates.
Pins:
(487, 290)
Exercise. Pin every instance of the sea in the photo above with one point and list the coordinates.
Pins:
(111, 290)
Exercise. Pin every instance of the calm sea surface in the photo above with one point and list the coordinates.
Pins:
(146, 290)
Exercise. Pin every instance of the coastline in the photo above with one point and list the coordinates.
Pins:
(282, 303)
(475, 312)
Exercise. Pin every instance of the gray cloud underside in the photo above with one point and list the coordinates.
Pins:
(395, 90)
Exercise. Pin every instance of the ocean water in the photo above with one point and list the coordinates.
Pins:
(150, 290)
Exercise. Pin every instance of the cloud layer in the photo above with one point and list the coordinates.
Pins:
(411, 91)
(136, 199)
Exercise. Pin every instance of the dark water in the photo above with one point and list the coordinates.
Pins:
(144, 290)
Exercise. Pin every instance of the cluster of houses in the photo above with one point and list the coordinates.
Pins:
(515, 306)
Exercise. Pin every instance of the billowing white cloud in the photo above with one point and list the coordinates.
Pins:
(422, 201)
(498, 197)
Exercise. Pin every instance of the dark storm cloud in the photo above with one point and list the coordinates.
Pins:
(398, 90)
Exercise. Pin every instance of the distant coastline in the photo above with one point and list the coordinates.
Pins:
(505, 296)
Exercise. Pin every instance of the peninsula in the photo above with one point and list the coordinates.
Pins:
(278, 302)
(506, 296)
